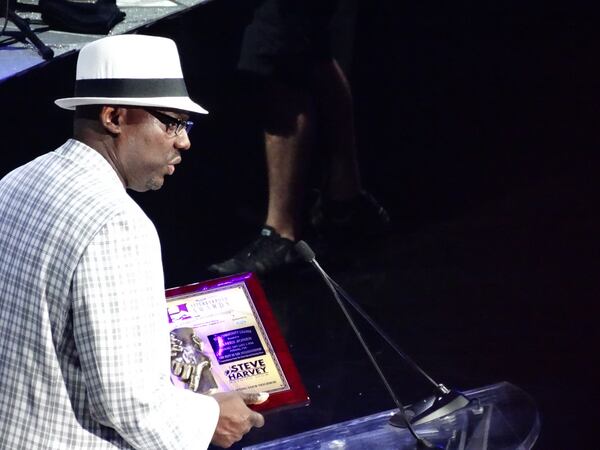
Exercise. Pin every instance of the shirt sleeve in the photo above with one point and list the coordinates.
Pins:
(121, 335)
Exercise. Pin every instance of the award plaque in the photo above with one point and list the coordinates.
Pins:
(224, 337)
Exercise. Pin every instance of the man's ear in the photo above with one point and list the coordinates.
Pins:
(111, 118)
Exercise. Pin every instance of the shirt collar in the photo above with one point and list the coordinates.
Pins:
(82, 153)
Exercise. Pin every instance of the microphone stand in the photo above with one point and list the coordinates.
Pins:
(444, 402)
(26, 31)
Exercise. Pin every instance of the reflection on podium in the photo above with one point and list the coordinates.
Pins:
(500, 416)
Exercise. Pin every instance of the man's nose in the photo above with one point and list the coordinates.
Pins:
(182, 141)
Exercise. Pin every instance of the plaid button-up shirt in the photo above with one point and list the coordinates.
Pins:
(84, 345)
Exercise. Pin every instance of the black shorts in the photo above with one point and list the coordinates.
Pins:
(287, 37)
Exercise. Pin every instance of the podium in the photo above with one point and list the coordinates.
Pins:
(499, 417)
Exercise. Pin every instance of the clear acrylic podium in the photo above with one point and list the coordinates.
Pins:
(499, 417)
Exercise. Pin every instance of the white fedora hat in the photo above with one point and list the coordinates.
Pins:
(132, 70)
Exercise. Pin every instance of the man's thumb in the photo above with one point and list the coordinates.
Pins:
(254, 398)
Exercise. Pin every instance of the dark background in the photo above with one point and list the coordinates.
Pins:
(476, 130)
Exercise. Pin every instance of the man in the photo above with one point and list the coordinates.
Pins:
(305, 95)
(84, 344)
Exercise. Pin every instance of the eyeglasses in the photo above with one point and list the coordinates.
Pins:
(174, 125)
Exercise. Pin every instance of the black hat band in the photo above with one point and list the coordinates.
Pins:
(131, 87)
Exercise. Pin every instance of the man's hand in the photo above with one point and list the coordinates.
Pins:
(235, 418)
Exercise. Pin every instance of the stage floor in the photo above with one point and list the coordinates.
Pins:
(17, 57)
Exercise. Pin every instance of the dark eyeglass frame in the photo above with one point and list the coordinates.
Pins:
(174, 125)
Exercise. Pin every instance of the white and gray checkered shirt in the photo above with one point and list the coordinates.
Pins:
(84, 345)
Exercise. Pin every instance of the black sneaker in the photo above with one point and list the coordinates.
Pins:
(339, 221)
(268, 253)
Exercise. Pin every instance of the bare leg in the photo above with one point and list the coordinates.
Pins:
(288, 139)
(336, 126)
(346, 211)
(288, 124)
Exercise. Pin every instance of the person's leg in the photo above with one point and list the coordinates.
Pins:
(288, 140)
(344, 210)
(280, 47)
(336, 130)
(288, 116)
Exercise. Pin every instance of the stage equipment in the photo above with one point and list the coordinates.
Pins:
(444, 402)
(8, 9)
